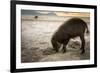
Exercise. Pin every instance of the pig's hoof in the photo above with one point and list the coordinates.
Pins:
(83, 51)
(64, 51)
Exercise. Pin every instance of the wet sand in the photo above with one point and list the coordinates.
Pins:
(36, 43)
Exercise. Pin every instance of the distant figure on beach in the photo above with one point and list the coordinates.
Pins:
(36, 17)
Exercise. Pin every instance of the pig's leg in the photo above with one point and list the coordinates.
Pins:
(83, 44)
(64, 46)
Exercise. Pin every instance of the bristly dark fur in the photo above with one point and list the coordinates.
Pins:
(72, 28)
